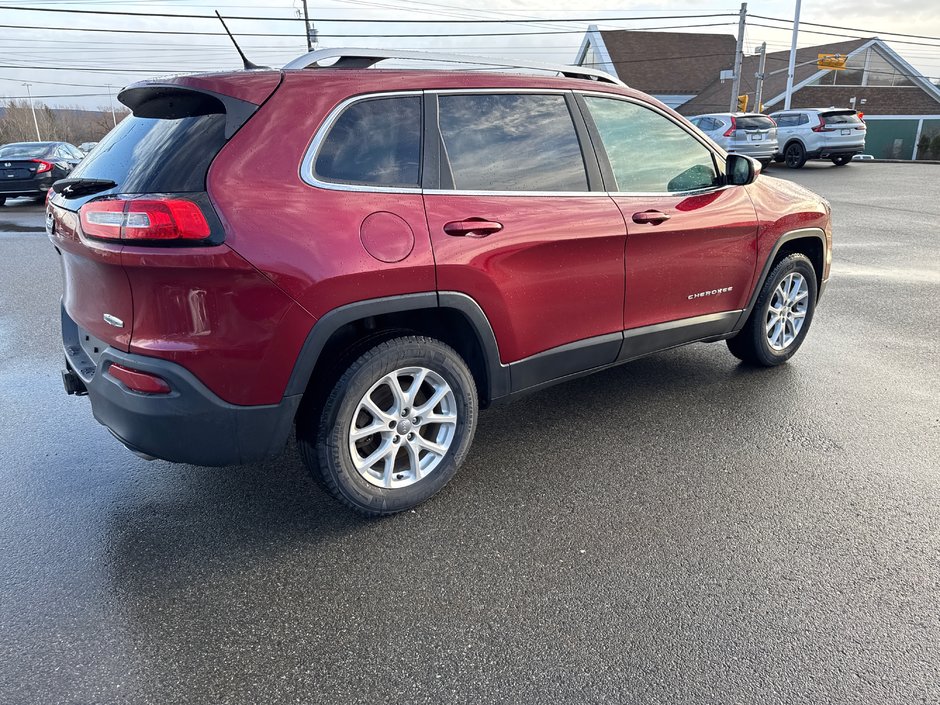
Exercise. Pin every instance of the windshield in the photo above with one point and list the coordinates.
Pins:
(26, 150)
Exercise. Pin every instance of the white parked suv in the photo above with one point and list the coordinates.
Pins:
(818, 133)
(752, 134)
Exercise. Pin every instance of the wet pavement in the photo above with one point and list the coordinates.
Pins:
(678, 530)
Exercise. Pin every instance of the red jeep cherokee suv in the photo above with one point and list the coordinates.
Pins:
(370, 256)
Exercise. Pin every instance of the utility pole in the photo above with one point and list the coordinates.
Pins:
(307, 28)
(738, 59)
(792, 67)
(759, 91)
(33, 108)
(111, 104)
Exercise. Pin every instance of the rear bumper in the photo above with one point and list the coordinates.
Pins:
(34, 187)
(190, 424)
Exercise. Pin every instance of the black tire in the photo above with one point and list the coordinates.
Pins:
(325, 446)
(794, 155)
(751, 345)
(841, 159)
(3, 199)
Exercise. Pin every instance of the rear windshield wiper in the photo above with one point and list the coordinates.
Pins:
(70, 188)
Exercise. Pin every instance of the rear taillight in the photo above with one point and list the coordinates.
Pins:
(772, 121)
(138, 381)
(144, 219)
(43, 166)
(821, 127)
(734, 126)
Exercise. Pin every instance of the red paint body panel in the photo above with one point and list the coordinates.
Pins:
(210, 311)
(708, 243)
(551, 276)
(94, 282)
(783, 206)
(306, 239)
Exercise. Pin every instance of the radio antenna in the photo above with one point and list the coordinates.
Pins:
(245, 61)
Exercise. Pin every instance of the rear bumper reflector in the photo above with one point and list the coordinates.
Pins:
(138, 381)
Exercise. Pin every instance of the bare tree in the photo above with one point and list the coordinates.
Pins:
(68, 124)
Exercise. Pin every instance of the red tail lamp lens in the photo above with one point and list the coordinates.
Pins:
(138, 381)
(734, 126)
(43, 166)
(143, 219)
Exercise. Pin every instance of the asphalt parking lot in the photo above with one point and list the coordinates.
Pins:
(678, 530)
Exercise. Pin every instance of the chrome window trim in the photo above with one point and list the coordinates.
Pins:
(309, 177)
(307, 172)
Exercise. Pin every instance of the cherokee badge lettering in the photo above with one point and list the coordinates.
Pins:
(712, 292)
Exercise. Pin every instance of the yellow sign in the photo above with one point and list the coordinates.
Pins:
(834, 62)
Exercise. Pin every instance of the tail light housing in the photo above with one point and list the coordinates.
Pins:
(821, 127)
(734, 126)
(143, 219)
(43, 167)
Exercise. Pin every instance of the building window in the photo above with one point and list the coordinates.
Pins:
(868, 68)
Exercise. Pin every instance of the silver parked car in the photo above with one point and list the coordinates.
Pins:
(752, 134)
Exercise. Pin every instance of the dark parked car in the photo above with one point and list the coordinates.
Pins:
(30, 168)
(367, 257)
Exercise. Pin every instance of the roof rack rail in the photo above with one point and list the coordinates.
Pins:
(352, 58)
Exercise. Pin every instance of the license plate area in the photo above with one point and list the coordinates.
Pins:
(846, 132)
(757, 138)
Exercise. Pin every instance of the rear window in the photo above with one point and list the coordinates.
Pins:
(27, 150)
(840, 118)
(153, 155)
(754, 122)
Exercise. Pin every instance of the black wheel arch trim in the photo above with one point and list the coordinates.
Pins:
(789, 236)
(497, 382)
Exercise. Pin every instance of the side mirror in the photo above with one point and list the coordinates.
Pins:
(741, 170)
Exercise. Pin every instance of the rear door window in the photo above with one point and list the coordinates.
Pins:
(649, 153)
(509, 142)
(374, 142)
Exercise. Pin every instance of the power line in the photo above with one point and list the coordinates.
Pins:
(848, 29)
(334, 36)
(124, 13)
(844, 36)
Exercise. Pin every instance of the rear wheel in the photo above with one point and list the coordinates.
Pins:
(841, 159)
(3, 199)
(795, 155)
(782, 314)
(395, 428)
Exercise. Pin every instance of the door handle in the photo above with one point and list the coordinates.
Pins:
(472, 227)
(651, 217)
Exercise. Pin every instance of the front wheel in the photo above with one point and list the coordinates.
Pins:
(795, 155)
(782, 314)
(395, 428)
(3, 199)
(841, 159)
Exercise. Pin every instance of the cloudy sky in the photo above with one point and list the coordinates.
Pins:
(68, 65)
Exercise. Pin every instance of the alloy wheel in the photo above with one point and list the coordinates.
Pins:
(787, 311)
(403, 427)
